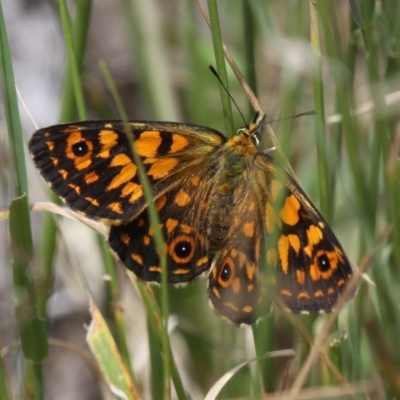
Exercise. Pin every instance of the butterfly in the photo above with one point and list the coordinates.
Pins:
(224, 206)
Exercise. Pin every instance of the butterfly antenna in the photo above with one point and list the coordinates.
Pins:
(214, 71)
(312, 112)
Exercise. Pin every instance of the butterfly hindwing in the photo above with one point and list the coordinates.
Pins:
(181, 212)
(233, 281)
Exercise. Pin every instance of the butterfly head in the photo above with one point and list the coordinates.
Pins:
(253, 130)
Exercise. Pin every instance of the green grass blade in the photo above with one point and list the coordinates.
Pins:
(320, 131)
(68, 112)
(220, 65)
(80, 28)
(32, 329)
(158, 238)
(73, 61)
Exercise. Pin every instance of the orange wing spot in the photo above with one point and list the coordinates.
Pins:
(283, 249)
(290, 211)
(242, 259)
(248, 229)
(231, 306)
(132, 189)
(200, 239)
(314, 236)
(216, 293)
(294, 242)
(63, 173)
(315, 272)
(257, 249)
(247, 309)
(124, 176)
(276, 189)
(250, 271)
(331, 290)
(108, 139)
(155, 268)
(234, 253)
(47, 134)
(250, 288)
(195, 180)
(186, 228)
(319, 293)
(91, 177)
(92, 201)
(202, 261)
(181, 271)
(146, 240)
(182, 199)
(287, 293)
(116, 207)
(272, 258)
(179, 142)
(50, 145)
(236, 285)
(119, 160)
(82, 162)
(75, 188)
(171, 224)
(162, 167)
(147, 144)
(252, 206)
(303, 295)
(341, 282)
(161, 202)
(140, 222)
(137, 258)
(54, 161)
(301, 276)
(125, 239)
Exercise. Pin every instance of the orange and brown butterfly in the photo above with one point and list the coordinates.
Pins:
(223, 205)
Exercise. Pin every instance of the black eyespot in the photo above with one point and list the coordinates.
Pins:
(324, 263)
(226, 273)
(183, 249)
(80, 149)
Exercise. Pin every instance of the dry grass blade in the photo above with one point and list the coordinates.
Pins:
(221, 382)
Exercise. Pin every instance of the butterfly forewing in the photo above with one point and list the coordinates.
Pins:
(311, 267)
(89, 164)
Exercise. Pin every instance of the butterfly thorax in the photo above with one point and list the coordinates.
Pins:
(231, 177)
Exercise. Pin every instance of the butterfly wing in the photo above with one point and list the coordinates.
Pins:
(292, 253)
(233, 284)
(90, 166)
(182, 222)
